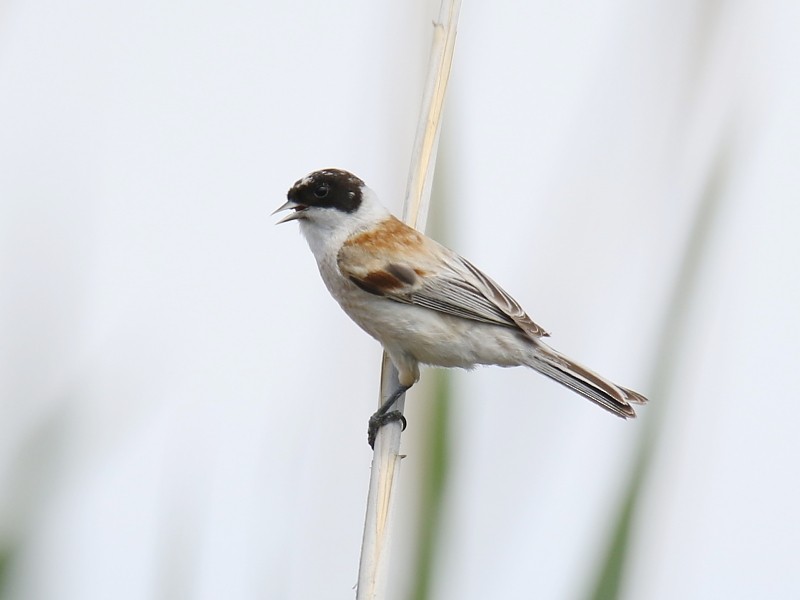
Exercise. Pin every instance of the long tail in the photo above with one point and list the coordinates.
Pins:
(614, 398)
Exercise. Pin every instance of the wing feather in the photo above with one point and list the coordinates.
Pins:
(500, 298)
(438, 279)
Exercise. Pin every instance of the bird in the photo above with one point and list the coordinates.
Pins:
(423, 302)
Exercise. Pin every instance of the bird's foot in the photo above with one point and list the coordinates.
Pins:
(379, 419)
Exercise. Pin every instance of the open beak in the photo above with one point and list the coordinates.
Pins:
(298, 209)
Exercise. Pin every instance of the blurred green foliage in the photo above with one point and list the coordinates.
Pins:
(434, 481)
(5, 561)
(609, 580)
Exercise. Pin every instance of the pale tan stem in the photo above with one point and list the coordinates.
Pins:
(373, 567)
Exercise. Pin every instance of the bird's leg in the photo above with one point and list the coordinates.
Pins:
(384, 415)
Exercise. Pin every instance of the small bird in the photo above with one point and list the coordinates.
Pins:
(423, 302)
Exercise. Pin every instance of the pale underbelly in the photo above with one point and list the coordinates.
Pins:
(436, 338)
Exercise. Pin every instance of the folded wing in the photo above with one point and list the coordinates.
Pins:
(432, 277)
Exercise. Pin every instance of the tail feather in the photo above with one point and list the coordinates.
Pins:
(634, 397)
(613, 398)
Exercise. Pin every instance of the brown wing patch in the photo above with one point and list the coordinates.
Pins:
(366, 258)
(392, 234)
(378, 282)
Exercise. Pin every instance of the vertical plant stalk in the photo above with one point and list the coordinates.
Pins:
(373, 567)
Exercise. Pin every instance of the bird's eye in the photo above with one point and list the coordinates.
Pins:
(321, 191)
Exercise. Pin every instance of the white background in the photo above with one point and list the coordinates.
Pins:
(182, 406)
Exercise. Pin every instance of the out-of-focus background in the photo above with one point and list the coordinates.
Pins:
(183, 407)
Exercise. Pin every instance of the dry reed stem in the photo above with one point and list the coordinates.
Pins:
(373, 567)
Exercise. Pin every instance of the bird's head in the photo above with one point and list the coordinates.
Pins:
(332, 200)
